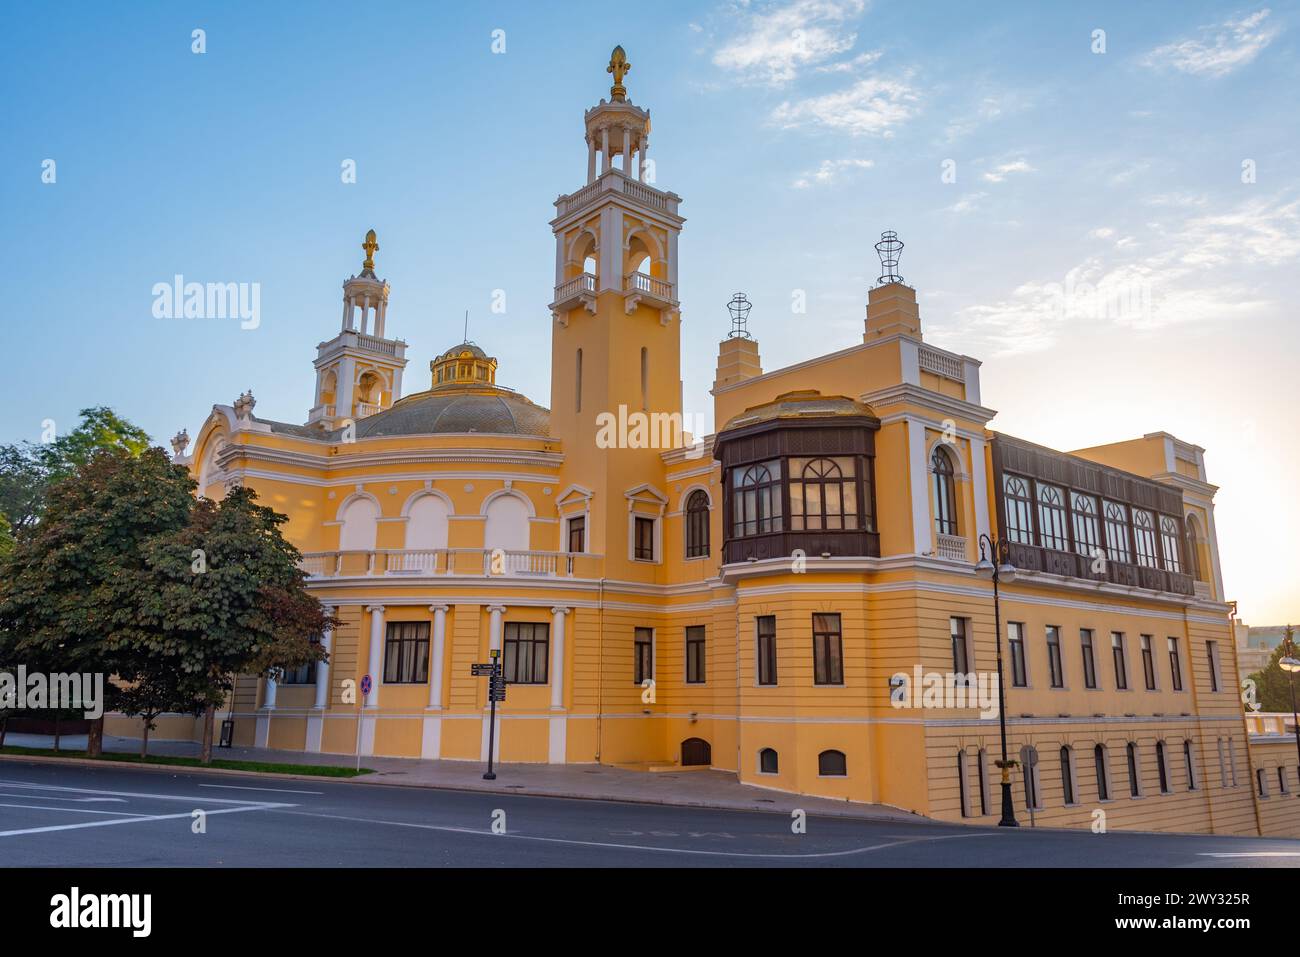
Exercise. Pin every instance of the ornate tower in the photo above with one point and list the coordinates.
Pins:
(616, 336)
(359, 372)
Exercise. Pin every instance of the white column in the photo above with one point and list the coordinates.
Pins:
(591, 159)
(268, 700)
(323, 669)
(923, 541)
(435, 658)
(645, 149)
(381, 314)
(627, 150)
(604, 150)
(347, 314)
(494, 642)
(494, 626)
(557, 657)
(979, 488)
(365, 313)
(376, 653)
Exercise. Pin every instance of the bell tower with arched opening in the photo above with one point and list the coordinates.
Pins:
(359, 371)
(616, 318)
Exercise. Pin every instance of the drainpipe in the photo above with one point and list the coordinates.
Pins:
(600, 667)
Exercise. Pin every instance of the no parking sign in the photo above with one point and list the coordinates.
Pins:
(365, 685)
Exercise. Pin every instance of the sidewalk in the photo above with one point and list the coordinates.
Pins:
(715, 789)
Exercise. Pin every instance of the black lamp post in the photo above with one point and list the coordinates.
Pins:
(1291, 665)
(997, 564)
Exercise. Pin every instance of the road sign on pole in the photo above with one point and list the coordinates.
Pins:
(496, 692)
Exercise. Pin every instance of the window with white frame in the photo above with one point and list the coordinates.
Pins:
(1051, 518)
(1019, 504)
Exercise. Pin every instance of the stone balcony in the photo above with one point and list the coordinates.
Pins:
(439, 562)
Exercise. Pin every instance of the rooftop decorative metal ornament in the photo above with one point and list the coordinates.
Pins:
(739, 307)
(619, 67)
(889, 249)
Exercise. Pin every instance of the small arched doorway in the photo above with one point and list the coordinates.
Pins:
(696, 751)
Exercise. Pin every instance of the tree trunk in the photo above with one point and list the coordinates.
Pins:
(4, 729)
(205, 755)
(95, 738)
(144, 740)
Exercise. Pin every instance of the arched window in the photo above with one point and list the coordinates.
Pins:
(577, 382)
(1103, 774)
(1169, 539)
(1193, 547)
(360, 525)
(756, 508)
(1163, 767)
(962, 796)
(942, 488)
(1134, 782)
(1020, 523)
(823, 495)
(426, 523)
(1029, 767)
(832, 764)
(507, 524)
(767, 761)
(1067, 776)
(697, 524)
(1051, 517)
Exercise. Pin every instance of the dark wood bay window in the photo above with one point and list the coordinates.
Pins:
(1087, 536)
(1116, 531)
(823, 495)
(756, 502)
(1020, 522)
(1144, 538)
(1051, 518)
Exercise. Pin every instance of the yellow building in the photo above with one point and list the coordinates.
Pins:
(786, 599)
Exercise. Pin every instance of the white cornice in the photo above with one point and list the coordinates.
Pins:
(906, 393)
(334, 463)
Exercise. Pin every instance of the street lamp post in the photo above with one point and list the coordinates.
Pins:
(1290, 664)
(997, 564)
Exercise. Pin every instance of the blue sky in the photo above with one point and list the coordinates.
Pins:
(795, 131)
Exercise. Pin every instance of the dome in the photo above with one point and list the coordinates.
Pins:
(463, 349)
(490, 410)
(803, 404)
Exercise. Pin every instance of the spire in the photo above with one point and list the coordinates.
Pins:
(618, 66)
(371, 246)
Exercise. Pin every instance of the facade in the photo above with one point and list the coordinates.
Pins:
(1255, 645)
(762, 600)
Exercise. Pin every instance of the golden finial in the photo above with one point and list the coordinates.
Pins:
(618, 66)
(370, 246)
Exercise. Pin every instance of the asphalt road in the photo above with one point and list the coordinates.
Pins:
(78, 816)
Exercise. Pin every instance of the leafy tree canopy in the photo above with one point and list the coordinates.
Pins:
(1273, 685)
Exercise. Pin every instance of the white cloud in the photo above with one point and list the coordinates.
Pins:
(1000, 172)
(1101, 232)
(1192, 273)
(829, 172)
(848, 66)
(1219, 49)
(778, 40)
(967, 204)
(870, 107)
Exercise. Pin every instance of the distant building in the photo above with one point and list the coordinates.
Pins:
(1255, 646)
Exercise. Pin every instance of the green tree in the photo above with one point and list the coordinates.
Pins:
(161, 689)
(1273, 685)
(70, 597)
(27, 469)
(6, 540)
(228, 598)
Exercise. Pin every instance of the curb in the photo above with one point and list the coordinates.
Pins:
(375, 778)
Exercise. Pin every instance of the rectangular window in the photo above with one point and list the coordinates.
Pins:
(406, 653)
(1015, 494)
(1144, 538)
(960, 646)
(644, 549)
(828, 650)
(526, 652)
(303, 674)
(1117, 654)
(1016, 645)
(695, 654)
(1089, 658)
(1055, 669)
(1261, 777)
(643, 655)
(578, 533)
(1212, 655)
(1116, 531)
(1148, 663)
(1087, 537)
(1175, 666)
(765, 633)
(1051, 518)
